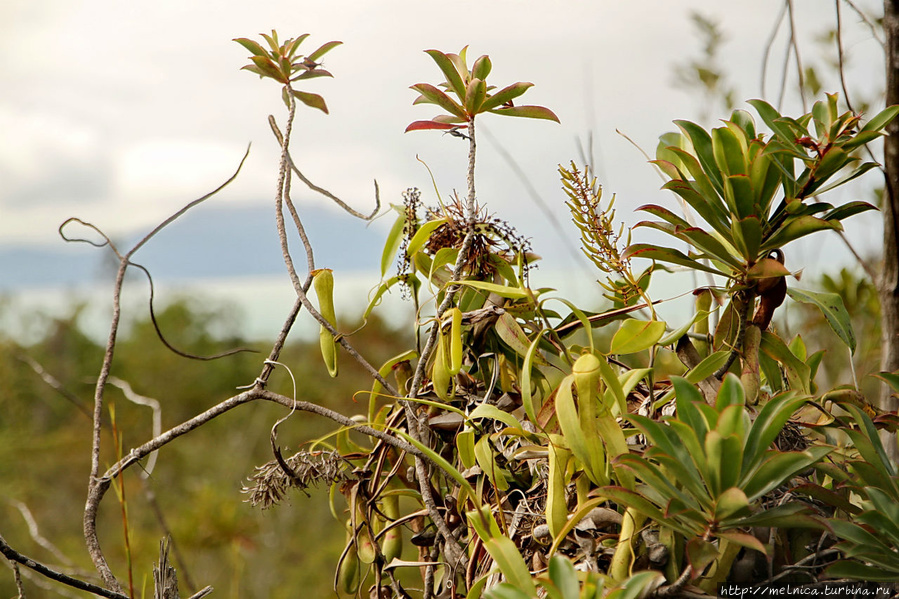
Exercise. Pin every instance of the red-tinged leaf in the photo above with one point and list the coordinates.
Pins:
(671, 255)
(507, 94)
(451, 120)
(325, 48)
(449, 71)
(429, 125)
(743, 540)
(253, 69)
(529, 112)
(700, 553)
(767, 268)
(432, 95)
(311, 100)
(268, 68)
(312, 74)
(254, 48)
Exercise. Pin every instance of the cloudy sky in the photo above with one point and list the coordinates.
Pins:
(121, 112)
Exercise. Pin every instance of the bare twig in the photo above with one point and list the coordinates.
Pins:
(770, 44)
(321, 190)
(839, 40)
(53, 382)
(35, 533)
(96, 486)
(794, 43)
(14, 556)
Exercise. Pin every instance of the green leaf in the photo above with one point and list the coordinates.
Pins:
(747, 237)
(485, 457)
(833, 309)
(849, 209)
(449, 71)
(465, 447)
(881, 119)
(529, 112)
(481, 67)
(779, 467)
(638, 585)
(744, 540)
(514, 336)
(671, 255)
(768, 424)
(421, 236)
(443, 465)
(500, 290)
(394, 239)
(798, 373)
(702, 146)
(859, 571)
(474, 95)
(485, 410)
(511, 564)
(731, 393)
(728, 152)
(311, 100)
(322, 50)
(636, 335)
(505, 95)
(562, 573)
(433, 95)
(254, 48)
(796, 228)
(504, 590)
(701, 553)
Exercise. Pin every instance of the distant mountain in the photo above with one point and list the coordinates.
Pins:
(209, 242)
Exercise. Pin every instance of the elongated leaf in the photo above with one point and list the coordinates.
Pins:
(637, 335)
(728, 152)
(443, 465)
(670, 255)
(797, 371)
(797, 228)
(768, 424)
(511, 564)
(322, 50)
(833, 309)
(701, 553)
(433, 95)
(311, 100)
(453, 77)
(702, 145)
(859, 571)
(429, 125)
(514, 336)
(254, 48)
(500, 290)
(474, 95)
(562, 573)
(485, 410)
(528, 112)
(881, 119)
(744, 540)
(485, 457)
(507, 94)
(778, 468)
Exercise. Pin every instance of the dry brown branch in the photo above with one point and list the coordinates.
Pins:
(321, 190)
(14, 556)
(97, 486)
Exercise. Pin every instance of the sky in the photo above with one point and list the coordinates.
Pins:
(119, 113)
